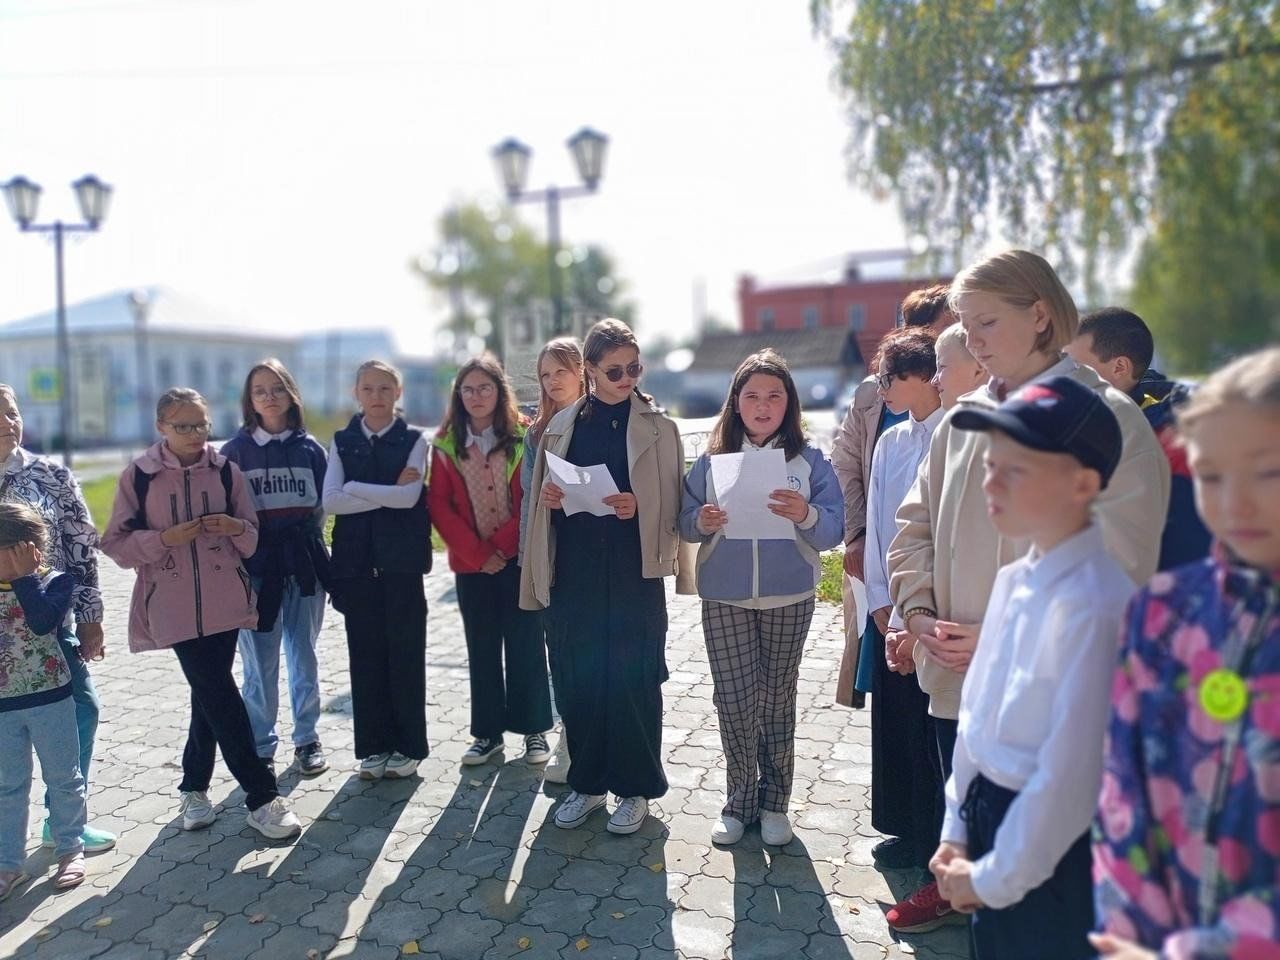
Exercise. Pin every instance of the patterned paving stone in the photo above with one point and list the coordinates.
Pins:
(464, 861)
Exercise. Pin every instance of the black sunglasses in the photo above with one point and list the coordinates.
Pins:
(632, 370)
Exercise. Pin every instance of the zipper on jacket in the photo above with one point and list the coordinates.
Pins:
(195, 556)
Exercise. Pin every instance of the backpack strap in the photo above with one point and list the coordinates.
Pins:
(224, 473)
(141, 484)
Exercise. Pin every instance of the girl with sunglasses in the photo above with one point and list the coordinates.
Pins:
(600, 577)
(474, 500)
(184, 520)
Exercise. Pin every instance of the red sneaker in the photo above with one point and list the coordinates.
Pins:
(923, 911)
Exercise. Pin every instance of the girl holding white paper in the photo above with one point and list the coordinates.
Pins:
(600, 578)
(758, 594)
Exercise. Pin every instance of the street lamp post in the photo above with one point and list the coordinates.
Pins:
(512, 157)
(140, 304)
(23, 198)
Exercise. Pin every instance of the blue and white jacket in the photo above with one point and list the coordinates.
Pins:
(285, 476)
(763, 574)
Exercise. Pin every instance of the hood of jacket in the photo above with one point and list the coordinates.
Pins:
(158, 457)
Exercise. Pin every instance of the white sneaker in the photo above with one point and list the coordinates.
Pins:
(399, 766)
(628, 815)
(727, 830)
(577, 807)
(557, 771)
(197, 811)
(775, 828)
(372, 768)
(274, 820)
(536, 750)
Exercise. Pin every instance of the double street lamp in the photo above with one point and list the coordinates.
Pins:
(512, 157)
(23, 198)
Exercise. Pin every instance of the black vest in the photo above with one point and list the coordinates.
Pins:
(382, 540)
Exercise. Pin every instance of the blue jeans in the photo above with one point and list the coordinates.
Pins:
(297, 625)
(51, 729)
(87, 706)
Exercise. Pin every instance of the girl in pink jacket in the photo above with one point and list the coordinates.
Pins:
(184, 520)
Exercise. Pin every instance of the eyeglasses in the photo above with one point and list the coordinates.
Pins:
(632, 370)
(186, 429)
(484, 390)
(885, 380)
(275, 393)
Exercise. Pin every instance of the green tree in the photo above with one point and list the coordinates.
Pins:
(492, 267)
(1067, 121)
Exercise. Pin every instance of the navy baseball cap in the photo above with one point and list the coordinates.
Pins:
(1058, 415)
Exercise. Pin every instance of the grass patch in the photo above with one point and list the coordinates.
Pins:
(100, 495)
(830, 587)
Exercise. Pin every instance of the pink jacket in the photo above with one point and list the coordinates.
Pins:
(194, 590)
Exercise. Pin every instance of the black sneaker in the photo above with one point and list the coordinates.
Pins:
(895, 853)
(481, 750)
(311, 759)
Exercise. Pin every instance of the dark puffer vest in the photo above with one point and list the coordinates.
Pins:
(383, 540)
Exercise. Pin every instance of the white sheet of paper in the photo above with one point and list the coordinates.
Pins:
(743, 482)
(584, 487)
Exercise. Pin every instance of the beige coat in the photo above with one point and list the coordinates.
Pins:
(946, 554)
(655, 460)
(851, 450)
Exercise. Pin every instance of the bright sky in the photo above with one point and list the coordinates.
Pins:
(284, 161)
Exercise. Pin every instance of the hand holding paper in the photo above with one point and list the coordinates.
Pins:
(744, 484)
(585, 488)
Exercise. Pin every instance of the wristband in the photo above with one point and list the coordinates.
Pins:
(925, 611)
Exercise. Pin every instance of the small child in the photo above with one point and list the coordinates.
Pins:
(35, 702)
(1028, 754)
(1187, 857)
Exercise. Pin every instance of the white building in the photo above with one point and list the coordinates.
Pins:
(184, 344)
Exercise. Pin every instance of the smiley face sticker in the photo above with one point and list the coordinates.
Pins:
(1223, 695)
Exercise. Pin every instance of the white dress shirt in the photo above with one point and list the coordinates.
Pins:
(351, 496)
(1034, 708)
(894, 464)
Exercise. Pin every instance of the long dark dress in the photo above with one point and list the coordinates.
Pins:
(904, 785)
(609, 626)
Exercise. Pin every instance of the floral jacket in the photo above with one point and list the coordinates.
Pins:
(73, 540)
(33, 610)
(1162, 757)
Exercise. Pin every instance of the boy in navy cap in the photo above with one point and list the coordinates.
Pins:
(1028, 757)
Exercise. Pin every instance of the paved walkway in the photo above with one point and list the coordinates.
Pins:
(464, 863)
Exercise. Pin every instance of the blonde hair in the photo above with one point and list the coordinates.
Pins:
(566, 352)
(953, 334)
(1253, 380)
(381, 366)
(176, 397)
(1022, 279)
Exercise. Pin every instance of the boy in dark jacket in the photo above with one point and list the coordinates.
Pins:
(1119, 347)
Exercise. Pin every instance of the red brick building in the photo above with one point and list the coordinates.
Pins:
(865, 301)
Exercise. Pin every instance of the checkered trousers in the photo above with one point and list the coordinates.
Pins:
(755, 664)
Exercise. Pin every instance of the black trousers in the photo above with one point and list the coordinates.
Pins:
(220, 721)
(386, 620)
(516, 698)
(904, 768)
(1050, 922)
(609, 690)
